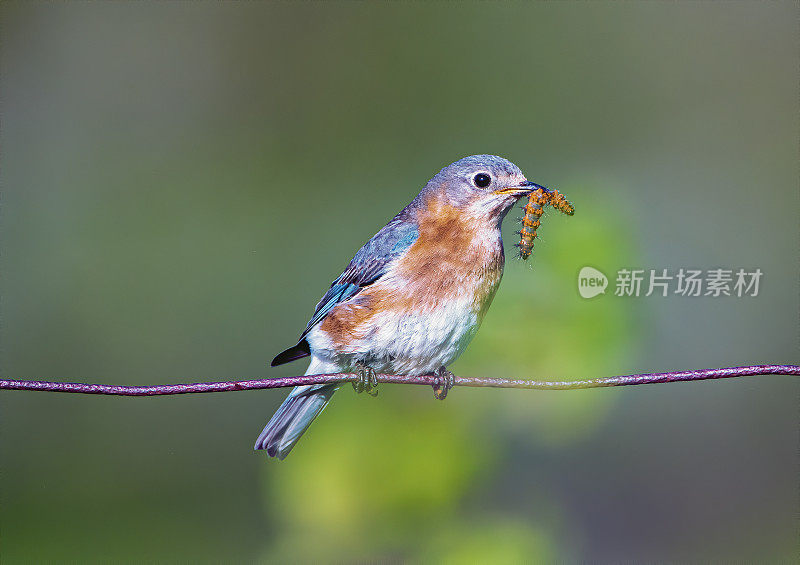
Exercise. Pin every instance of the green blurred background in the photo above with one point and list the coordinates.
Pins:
(181, 182)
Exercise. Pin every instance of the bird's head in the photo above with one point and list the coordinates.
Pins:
(482, 186)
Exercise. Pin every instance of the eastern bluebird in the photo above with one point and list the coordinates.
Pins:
(413, 296)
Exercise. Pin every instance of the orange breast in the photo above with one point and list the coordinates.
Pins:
(454, 259)
(454, 256)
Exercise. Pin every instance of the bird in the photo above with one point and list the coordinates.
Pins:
(412, 298)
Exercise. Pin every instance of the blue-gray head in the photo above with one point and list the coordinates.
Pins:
(481, 185)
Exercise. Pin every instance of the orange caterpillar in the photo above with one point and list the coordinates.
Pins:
(537, 200)
(560, 203)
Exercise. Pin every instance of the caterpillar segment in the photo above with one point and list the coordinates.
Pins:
(534, 209)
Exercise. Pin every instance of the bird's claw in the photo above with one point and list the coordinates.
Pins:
(444, 381)
(367, 381)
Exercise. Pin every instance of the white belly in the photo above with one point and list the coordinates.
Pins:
(412, 343)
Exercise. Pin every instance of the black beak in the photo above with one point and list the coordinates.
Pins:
(533, 186)
(522, 189)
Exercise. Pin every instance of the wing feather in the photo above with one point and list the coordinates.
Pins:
(368, 265)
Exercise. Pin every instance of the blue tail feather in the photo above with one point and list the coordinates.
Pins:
(293, 418)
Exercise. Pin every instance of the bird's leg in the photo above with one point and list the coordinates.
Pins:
(445, 380)
(367, 380)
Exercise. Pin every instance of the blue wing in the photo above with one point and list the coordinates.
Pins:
(369, 264)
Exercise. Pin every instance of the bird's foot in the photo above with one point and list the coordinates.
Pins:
(445, 380)
(367, 380)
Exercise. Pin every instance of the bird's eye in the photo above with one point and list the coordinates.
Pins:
(482, 180)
